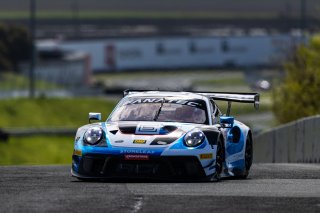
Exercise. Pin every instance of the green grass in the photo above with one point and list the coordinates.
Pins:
(51, 112)
(137, 14)
(9, 81)
(198, 77)
(133, 75)
(36, 150)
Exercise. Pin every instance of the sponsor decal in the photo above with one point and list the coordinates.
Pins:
(139, 141)
(147, 130)
(119, 141)
(136, 157)
(206, 156)
(136, 151)
(77, 152)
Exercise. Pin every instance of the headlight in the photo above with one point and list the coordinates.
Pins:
(194, 138)
(93, 135)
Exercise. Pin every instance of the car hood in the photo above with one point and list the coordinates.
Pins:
(146, 134)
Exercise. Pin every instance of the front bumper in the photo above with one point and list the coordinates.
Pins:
(115, 166)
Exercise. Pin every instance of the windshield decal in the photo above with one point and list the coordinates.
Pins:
(146, 100)
(192, 103)
(161, 109)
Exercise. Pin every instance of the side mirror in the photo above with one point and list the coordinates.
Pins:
(226, 121)
(94, 116)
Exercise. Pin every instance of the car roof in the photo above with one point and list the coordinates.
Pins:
(183, 95)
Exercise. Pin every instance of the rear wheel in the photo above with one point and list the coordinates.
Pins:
(248, 156)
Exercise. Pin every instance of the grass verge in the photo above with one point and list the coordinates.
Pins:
(141, 14)
(42, 112)
(36, 150)
(51, 112)
(10, 81)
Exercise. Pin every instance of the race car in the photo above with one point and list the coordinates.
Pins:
(166, 135)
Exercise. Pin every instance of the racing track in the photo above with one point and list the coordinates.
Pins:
(270, 188)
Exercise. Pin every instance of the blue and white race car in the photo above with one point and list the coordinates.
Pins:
(161, 134)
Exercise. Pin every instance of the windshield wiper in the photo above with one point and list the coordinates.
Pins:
(159, 110)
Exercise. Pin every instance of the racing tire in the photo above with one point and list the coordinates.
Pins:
(86, 179)
(220, 158)
(248, 156)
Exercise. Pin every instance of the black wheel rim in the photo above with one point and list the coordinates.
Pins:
(248, 155)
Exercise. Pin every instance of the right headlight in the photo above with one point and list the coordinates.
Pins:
(194, 138)
(93, 135)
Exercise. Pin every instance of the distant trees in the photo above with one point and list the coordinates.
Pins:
(15, 46)
(299, 94)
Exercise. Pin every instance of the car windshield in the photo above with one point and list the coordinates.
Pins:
(162, 110)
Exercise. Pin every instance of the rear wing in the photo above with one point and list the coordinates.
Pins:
(234, 97)
(253, 98)
(230, 97)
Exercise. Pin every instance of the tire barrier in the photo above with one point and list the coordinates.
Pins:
(295, 142)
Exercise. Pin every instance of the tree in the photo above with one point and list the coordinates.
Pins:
(299, 94)
(15, 46)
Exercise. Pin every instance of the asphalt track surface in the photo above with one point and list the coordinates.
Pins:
(270, 188)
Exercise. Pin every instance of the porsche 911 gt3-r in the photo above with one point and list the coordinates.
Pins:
(161, 134)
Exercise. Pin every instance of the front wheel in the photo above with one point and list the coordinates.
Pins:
(220, 157)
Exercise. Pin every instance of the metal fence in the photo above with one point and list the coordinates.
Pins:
(5, 133)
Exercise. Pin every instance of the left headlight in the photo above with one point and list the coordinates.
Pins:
(93, 135)
(194, 138)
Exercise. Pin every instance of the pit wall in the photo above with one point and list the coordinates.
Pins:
(295, 142)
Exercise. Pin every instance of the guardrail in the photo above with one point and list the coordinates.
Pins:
(4, 136)
(295, 142)
(5, 133)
